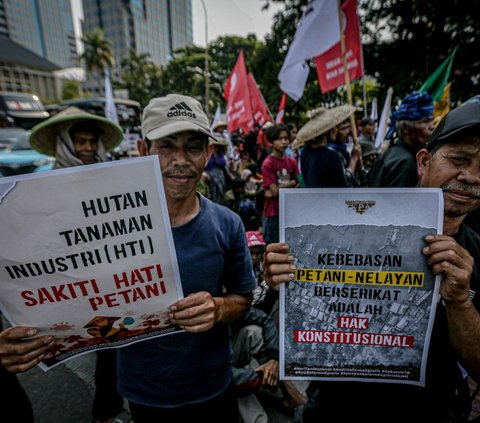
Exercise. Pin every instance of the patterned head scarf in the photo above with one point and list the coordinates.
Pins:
(415, 106)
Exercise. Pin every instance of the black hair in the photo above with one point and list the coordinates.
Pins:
(273, 132)
(366, 120)
(85, 126)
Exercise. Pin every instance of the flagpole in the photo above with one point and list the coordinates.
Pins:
(206, 58)
(345, 71)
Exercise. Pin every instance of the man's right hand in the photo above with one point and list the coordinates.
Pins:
(278, 265)
(20, 352)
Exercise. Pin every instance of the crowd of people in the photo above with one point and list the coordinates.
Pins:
(222, 193)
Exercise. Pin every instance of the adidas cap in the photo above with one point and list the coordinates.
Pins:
(171, 114)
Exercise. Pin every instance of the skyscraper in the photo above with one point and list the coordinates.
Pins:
(156, 27)
(42, 26)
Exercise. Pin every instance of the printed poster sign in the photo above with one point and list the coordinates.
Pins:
(87, 255)
(362, 305)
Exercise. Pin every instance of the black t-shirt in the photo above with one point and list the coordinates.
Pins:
(473, 220)
(371, 402)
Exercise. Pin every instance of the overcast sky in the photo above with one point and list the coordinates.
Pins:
(232, 17)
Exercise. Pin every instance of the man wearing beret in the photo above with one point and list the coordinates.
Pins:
(414, 123)
(450, 161)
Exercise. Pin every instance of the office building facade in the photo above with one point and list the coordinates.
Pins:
(156, 27)
(43, 26)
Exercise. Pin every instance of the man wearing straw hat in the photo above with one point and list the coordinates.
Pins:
(321, 166)
(75, 137)
(186, 375)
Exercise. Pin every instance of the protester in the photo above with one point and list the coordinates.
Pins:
(369, 158)
(255, 346)
(218, 178)
(237, 200)
(367, 131)
(14, 400)
(264, 145)
(293, 131)
(321, 166)
(413, 121)
(343, 144)
(278, 171)
(450, 161)
(250, 143)
(175, 377)
(264, 298)
(75, 137)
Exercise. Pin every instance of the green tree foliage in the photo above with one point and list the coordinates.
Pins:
(184, 74)
(98, 54)
(406, 40)
(71, 90)
(141, 77)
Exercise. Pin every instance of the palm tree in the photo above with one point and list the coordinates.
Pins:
(98, 54)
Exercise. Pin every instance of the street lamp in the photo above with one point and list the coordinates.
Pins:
(206, 57)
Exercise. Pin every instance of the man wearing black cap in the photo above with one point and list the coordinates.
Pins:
(451, 161)
(414, 123)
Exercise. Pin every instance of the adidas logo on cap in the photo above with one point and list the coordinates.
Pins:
(181, 109)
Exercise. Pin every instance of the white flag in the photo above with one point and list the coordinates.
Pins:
(383, 125)
(317, 32)
(217, 117)
(374, 111)
(110, 108)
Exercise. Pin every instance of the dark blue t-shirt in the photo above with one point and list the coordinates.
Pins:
(322, 168)
(184, 368)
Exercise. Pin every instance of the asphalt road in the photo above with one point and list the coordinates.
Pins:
(64, 394)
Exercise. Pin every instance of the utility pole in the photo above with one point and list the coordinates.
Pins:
(206, 58)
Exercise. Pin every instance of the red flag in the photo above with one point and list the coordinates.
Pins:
(260, 110)
(330, 69)
(281, 109)
(239, 109)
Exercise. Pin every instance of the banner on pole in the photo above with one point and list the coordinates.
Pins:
(330, 69)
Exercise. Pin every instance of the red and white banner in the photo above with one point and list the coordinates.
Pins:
(317, 31)
(281, 109)
(330, 69)
(239, 111)
(259, 107)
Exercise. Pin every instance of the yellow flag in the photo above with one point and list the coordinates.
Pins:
(442, 107)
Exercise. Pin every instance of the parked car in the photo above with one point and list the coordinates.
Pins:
(19, 157)
(9, 135)
(23, 109)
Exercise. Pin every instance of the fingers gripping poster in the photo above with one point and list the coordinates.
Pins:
(87, 256)
(362, 304)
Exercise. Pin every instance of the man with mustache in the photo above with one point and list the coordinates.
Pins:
(175, 377)
(451, 161)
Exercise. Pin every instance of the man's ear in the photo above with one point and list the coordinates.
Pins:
(142, 147)
(209, 152)
(423, 160)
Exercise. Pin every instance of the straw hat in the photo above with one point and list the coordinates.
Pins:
(218, 140)
(321, 121)
(219, 124)
(43, 137)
